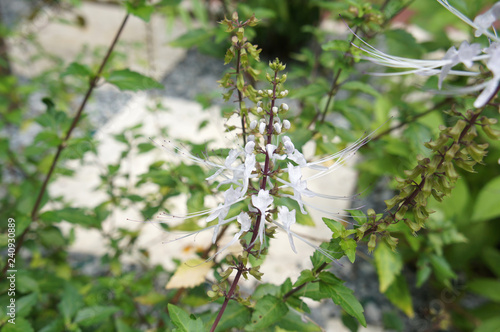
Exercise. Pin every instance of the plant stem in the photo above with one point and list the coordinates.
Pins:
(63, 144)
(260, 217)
(240, 98)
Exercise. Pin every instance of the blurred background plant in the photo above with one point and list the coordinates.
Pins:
(454, 258)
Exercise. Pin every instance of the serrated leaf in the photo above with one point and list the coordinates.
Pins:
(268, 310)
(486, 206)
(388, 264)
(342, 296)
(190, 274)
(183, 320)
(94, 315)
(126, 79)
(400, 296)
(489, 288)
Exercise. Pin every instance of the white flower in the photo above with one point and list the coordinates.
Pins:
(277, 128)
(231, 196)
(286, 124)
(270, 93)
(465, 54)
(275, 110)
(249, 147)
(259, 109)
(288, 219)
(299, 186)
(486, 20)
(245, 222)
(284, 107)
(262, 201)
(253, 124)
(494, 66)
(262, 127)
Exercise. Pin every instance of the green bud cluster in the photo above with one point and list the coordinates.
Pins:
(436, 175)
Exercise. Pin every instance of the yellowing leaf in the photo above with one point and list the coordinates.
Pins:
(190, 274)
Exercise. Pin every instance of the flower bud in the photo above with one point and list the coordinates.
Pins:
(249, 147)
(253, 124)
(262, 127)
(270, 93)
(372, 243)
(275, 110)
(284, 106)
(286, 124)
(259, 109)
(277, 128)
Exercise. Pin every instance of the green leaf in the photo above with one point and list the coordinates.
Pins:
(491, 257)
(342, 296)
(293, 322)
(21, 325)
(489, 325)
(126, 79)
(140, 9)
(305, 276)
(388, 264)
(72, 215)
(442, 269)
(77, 69)
(400, 296)
(489, 288)
(71, 302)
(487, 206)
(332, 247)
(183, 320)
(94, 315)
(312, 291)
(192, 38)
(235, 316)
(25, 303)
(362, 87)
(268, 310)
(349, 246)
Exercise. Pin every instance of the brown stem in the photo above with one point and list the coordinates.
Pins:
(260, 217)
(226, 300)
(63, 144)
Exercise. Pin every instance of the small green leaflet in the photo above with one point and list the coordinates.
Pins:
(126, 79)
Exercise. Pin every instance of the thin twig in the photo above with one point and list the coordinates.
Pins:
(63, 144)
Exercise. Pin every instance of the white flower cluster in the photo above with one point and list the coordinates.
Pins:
(466, 54)
(268, 166)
